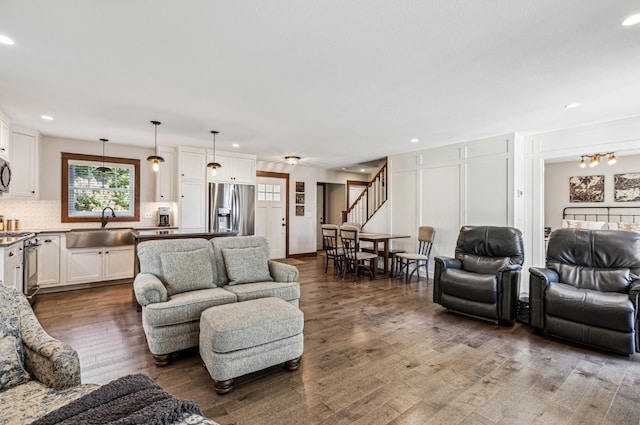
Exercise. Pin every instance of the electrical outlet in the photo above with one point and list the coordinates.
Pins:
(147, 215)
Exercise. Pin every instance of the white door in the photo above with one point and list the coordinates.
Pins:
(271, 215)
(320, 216)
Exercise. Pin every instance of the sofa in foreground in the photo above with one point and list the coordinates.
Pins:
(40, 375)
(181, 278)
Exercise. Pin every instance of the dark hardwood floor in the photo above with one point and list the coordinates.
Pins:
(375, 353)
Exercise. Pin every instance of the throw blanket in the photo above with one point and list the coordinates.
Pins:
(132, 399)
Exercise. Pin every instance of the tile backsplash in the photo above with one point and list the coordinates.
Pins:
(41, 215)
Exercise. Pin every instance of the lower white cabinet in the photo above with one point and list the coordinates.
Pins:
(11, 267)
(98, 264)
(49, 259)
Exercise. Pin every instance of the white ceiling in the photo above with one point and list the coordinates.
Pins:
(336, 82)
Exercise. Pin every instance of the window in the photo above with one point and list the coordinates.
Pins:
(87, 190)
(269, 192)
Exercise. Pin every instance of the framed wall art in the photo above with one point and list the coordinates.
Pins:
(626, 187)
(586, 189)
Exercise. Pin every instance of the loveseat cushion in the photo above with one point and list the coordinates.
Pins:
(218, 244)
(32, 400)
(287, 291)
(187, 270)
(470, 286)
(186, 306)
(149, 254)
(246, 265)
(597, 279)
(610, 310)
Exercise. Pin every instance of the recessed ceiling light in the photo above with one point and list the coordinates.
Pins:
(362, 170)
(46, 117)
(6, 40)
(344, 168)
(631, 20)
(235, 145)
(572, 105)
(415, 140)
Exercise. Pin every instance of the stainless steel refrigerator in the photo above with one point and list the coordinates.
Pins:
(232, 208)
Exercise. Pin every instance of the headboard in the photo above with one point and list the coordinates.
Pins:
(608, 214)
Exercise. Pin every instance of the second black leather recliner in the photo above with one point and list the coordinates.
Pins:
(482, 279)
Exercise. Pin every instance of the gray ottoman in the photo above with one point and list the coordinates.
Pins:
(244, 337)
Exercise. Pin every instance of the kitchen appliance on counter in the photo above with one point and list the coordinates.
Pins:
(164, 216)
(232, 208)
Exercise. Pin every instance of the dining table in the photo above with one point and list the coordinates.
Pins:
(381, 238)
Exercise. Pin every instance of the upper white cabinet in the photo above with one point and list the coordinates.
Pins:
(192, 167)
(236, 168)
(25, 155)
(191, 163)
(166, 176)
(4, 138)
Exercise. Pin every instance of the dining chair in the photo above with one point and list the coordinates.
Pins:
(404, 260)
(331, 248)
(354, 259)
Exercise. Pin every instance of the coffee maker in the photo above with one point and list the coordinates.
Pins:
(164, 216)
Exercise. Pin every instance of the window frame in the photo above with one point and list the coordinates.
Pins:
(64, 204)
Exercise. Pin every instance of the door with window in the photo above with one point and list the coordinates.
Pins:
(271, 208)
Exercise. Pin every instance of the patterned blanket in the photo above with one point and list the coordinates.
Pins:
(132, 399)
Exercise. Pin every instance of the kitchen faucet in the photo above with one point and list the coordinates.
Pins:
(105, 219)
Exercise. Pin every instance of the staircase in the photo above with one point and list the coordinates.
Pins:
(370, 200)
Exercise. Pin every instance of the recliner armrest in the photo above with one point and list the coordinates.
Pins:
(281, 272)
(448, 262)
(539, 279)
(634, 293)
(149, 289)
(547, 275)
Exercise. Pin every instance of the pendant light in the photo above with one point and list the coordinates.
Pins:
(214, 165)
(103, 169)
(156, 159)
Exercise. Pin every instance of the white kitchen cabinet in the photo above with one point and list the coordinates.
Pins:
(235, 169)
(192, 163)
(49, 259)
(118, 262)
(166, 176)
(99, 264)
(24, 164)
(192, 206)
(11, 273)
(4, 138)
(192, 193)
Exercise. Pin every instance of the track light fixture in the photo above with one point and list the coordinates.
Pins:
(155, 159)
(595, 159)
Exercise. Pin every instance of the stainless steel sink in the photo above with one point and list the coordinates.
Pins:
(88, 238)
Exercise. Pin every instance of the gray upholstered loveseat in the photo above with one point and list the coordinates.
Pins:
(181, 278)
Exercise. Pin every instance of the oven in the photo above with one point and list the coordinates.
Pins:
(30, 279)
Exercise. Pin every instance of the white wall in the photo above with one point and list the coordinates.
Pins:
(302, 230)
(450, 186)
(556, 185)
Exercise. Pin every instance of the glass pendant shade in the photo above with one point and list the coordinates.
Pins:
(155, 159)
(214, 165)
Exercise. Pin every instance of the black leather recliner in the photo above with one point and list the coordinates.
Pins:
(482, 279)
(589, 290)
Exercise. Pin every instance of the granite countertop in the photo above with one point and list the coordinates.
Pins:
(71, 229)
(19, 237)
